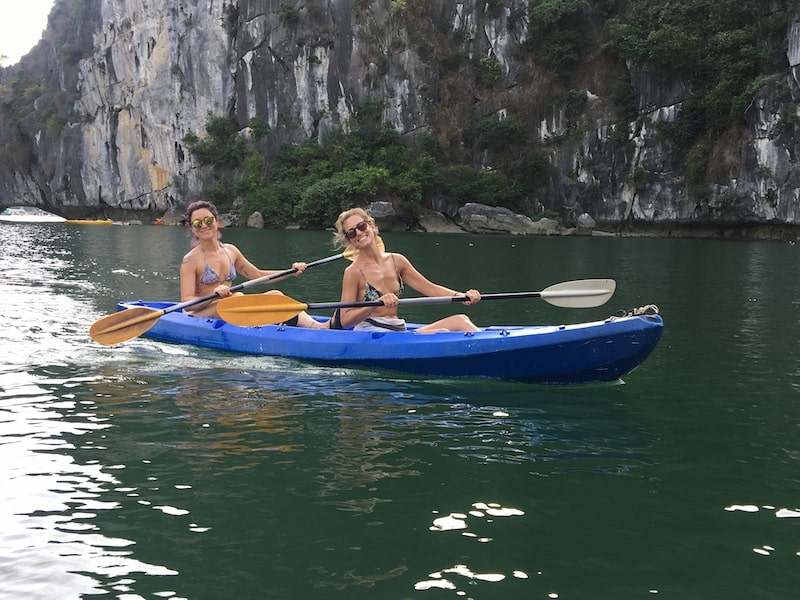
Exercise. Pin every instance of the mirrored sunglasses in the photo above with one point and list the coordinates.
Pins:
(198, 223)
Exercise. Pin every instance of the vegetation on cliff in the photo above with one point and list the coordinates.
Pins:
(504, 100)
(39, 93)
(311, 183)
(720, 51)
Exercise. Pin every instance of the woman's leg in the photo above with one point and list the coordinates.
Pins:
(209, 309)
(306, 320)
(451, 323)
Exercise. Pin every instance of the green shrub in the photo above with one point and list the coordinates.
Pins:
(490, 71)
(223, 147)
(321, 203)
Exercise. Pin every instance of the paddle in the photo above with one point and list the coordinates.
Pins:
(252, 310)
(133, 322)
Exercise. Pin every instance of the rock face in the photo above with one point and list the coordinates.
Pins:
(158, 68)
(478, 218)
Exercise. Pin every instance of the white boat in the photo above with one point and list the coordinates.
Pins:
(22, 214)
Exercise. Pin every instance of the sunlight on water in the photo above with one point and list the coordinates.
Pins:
(48, 501)
(456, 522)
(780, 513)
(151, 470)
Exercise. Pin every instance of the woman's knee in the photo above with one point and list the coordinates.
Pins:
(466, 323)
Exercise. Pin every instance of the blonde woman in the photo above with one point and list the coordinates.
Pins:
(380, 275)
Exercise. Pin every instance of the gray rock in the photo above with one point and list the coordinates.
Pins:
(435, 222)
(546, 226)
(256, 220)
(381, 210)
(479, 218)
(386, 218)
(586, 222)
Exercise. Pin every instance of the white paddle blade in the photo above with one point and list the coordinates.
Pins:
(583, 293)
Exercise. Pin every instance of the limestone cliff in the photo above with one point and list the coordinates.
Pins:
(106, 133)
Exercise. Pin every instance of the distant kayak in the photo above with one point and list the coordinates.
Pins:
(90, 221)
(580, 353)
(17, 214)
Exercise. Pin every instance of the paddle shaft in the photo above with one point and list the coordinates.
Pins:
(118, 321)
(251, 283)
(421, 300)
(253, 310)
(452, 299)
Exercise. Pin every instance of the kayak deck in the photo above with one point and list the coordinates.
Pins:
(578, 353)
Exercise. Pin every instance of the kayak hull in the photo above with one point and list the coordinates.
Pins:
(579, 353)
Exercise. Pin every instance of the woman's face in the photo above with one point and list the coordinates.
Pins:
(357, 231)
(202, 221)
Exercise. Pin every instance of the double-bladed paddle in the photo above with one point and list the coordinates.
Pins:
(133, 322)
(259, 309)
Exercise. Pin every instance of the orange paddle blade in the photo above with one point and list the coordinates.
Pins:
(124, 325)
(259, 309)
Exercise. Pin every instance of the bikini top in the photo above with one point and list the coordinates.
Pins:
(210, 276)
(372, 293)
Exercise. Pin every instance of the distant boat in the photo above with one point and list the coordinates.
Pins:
(91, 221)
(22, 214)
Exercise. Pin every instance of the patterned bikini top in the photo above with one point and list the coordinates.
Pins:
(210, 276)
(371, 293)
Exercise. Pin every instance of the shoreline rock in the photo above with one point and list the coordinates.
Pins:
(491, 220)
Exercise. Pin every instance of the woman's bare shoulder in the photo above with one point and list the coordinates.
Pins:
(191, 255)
(231, 249)
(399, 259)
(351, 268)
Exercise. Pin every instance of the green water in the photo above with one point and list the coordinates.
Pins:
(148, 470)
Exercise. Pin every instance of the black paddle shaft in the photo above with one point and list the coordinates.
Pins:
(423, 300)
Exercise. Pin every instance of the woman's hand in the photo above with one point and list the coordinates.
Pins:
(473, 295)
(299, 267)
(222, 290)
(389, 300)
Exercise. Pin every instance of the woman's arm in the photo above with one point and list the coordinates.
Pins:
(188, 279)
(424, 286)
(250, 271)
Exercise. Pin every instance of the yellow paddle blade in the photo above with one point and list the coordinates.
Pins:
(124, 325)
(259, 309)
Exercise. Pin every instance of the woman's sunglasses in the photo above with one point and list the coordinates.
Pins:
(351, 233)
(198, 223)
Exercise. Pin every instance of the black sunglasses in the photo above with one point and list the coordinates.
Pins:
(198, 223)
(351, 233)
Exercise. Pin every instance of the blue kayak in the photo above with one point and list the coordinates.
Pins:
(579, 353)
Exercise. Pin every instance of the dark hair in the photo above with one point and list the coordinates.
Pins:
(197, 205)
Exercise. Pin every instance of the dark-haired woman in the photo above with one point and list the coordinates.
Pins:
(211, 266)
(379, 275)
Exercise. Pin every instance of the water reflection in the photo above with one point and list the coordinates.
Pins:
(50, 502)
(129, 470)
(778, 513)
(193, 436)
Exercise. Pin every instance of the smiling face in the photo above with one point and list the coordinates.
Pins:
(357, 231)
(202, 220)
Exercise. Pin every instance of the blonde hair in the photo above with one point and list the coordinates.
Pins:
(339, 241)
